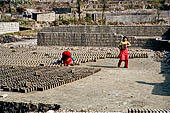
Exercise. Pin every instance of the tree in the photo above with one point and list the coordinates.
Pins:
(79, 6)
(20, 9)
(157, 4)
(103, 11)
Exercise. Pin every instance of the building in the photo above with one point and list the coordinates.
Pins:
(43, 17)
(62, 10)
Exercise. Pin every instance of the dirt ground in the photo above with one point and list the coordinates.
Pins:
(145, 84)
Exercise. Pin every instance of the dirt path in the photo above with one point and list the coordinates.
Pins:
(143, 85)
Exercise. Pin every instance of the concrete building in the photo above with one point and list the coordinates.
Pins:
(62, 10)
(9, 27)
(46, 17)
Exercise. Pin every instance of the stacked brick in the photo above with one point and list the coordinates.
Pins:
(14, 107)
(28, 79)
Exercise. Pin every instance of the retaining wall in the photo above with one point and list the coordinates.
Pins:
(101, 36)
(138, 17)
(88, 39)
(124, 30)
(9, 27)
(130, 18)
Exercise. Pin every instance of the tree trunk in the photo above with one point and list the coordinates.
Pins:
(158, 14)
(79, 11)
(104, 7)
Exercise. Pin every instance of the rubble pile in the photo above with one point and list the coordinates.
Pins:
(8, 39)
(160, 56)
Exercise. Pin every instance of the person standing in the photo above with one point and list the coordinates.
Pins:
(123, 46)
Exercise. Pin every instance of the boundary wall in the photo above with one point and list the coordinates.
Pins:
(102, 36)
(9, 27)
(124, 30)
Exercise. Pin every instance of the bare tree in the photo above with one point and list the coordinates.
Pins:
(79, 5)
(103, 11)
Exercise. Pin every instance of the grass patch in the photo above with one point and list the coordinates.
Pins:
(22, 33)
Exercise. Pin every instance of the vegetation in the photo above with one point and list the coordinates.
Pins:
(157, 4)
(22, 33)
(88, 18)
(79, 5)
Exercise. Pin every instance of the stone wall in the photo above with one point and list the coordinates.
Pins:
(101, 36)
(89, 39)
(136, 17)
(9, 27)
(47, 17)
(130, 18)
(124, 30)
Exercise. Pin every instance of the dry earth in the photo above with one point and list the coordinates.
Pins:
(145, 84)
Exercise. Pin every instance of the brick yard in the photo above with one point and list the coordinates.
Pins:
(112, 89)
(145, 84)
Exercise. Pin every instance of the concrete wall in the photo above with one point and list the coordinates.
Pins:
(9, 27)
(47, 17)
(136, 17)
(130, 18)
(124, 30)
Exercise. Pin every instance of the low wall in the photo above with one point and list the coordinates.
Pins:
(136, 17)
(124, 30)
(88, 39)
(130, 18)
(9, 27)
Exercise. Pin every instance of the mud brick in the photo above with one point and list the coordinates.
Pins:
(27, 84)
(38, 73)
(41, 64)
(73, 70)
(23, 90)
(7, 89)
(15, 89)
(40, 89)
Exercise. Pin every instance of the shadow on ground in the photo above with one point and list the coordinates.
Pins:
(166, 35)
(102, 66)
(163, 88)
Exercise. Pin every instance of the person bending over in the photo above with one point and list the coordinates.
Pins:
(67, 58)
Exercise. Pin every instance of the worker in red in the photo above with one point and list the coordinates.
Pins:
(123, 46)
(67, 58)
